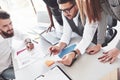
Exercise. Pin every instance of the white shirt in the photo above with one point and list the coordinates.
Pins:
(88, 34)
(67, 31)
(6, 50)
(5, 53)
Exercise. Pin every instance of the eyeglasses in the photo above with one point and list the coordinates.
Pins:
(67, 10)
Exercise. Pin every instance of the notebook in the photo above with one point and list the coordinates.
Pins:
(56, 73)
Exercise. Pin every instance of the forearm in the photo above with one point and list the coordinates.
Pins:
(62, 45)
(67, 32)
(50, 15)
(89, 31)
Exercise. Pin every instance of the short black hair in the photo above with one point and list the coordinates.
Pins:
(4, 14)
(65, 1)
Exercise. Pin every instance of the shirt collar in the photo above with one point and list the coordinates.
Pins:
(76, 17)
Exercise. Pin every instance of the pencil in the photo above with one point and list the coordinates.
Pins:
(43, 32)
(35, 41)
(51, 53)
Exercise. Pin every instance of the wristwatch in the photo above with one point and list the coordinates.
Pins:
(74, 59)
(76, 54)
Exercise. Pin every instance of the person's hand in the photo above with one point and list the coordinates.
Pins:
(54, 49)
(94, 49)
(50, 28)
(67, 59)
(109, 56)
(30, 46)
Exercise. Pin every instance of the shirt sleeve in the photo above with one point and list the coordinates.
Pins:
(88, 34)
(102, 29)
(67, 31)
(118, 45)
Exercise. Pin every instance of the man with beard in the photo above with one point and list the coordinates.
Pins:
(6, 34)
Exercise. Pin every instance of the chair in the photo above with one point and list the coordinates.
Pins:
(111, 32)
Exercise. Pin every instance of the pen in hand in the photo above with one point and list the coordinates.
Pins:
(50, 53)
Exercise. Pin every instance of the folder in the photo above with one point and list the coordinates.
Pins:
(56, 73)
(67, 50)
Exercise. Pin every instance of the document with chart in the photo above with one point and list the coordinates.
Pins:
(25, 57)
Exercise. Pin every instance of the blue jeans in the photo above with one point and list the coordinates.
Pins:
(8, 74)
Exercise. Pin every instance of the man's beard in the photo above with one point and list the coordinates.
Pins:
(7, 35)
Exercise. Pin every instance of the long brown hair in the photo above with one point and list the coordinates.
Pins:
(89, 8)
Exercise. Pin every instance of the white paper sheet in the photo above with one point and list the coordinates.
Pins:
(51, 37)
(54, 74)
(26, 57)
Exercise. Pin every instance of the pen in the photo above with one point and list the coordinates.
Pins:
(43, 32)
(35, 41)
(51, 53)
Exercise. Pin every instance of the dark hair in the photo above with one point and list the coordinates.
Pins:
(4, 14)
(65, 1)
